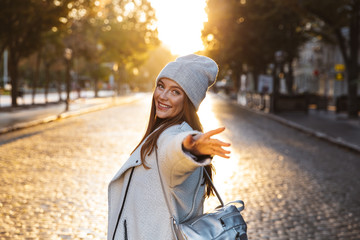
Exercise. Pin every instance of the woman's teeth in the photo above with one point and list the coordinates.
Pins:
(164, 106)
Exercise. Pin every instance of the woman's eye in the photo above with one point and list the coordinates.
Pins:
(160, 86)
(176, 92)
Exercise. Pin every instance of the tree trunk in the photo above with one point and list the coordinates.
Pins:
(121, 78)
(290, 78)
(276, 82)
(13, 71)
(352, 95)
(96, 90)
(256, 80)
(275, 92)
(236, 79)
(68, 84)
(237, 71)
(37, 76)
(352, 66)
(59, 81)
(47, 80)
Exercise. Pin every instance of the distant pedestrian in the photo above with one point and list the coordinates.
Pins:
(137, 208)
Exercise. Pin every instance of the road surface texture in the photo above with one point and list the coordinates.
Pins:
(54, 176)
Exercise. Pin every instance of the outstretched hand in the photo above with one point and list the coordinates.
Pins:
(203, 144)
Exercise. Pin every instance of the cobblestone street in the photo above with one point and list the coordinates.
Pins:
(54, 176)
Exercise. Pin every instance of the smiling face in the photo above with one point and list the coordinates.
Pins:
(169, 98)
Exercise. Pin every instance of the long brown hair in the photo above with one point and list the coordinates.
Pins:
(187, 114)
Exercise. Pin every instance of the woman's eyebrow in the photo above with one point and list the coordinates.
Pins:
(160, 81)
(179, 88)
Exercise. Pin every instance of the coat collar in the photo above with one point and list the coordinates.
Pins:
(133, 161)
(135, 158)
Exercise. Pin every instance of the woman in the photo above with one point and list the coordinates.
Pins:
(174, 138)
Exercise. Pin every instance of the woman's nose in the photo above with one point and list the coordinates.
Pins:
(163, 95)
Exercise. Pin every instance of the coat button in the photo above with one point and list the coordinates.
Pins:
(137, 161)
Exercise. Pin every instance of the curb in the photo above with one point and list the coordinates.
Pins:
(64, 115)
(321, 135)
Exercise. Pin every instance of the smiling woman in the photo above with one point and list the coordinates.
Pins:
(169, 98)
(180, 23)
(167, 167)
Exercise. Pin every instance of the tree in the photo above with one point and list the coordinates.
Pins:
(329, 19)
(52, 51)
(125, 29)
(250, 32)
(23, 23)
(118, 32)
(130, 33)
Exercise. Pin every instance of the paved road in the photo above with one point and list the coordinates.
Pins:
(54, 176)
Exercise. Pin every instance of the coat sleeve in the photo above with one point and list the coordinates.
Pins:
(175, 164)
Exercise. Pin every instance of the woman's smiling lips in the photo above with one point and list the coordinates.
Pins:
(163, 107)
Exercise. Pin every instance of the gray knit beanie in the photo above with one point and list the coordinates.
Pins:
(194, 73)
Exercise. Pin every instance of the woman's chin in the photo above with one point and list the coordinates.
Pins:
(161, 115)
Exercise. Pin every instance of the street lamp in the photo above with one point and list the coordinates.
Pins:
(67, 56)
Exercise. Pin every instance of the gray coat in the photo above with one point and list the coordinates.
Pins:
(145, 214)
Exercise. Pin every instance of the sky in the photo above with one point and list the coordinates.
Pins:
(180, 23)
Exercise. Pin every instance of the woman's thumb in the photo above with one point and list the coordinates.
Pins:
(188, 142)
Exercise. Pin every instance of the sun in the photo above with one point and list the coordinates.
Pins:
(180, 23)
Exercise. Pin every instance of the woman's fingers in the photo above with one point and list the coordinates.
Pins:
(213, 132)
(203, 144)
(224, 156)
(220, 151)
(215, 146)
(221, 143)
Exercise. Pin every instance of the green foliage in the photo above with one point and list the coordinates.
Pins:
(120, 32)
(24, 22)
(132, 32)
(96, 31)
(250, 32)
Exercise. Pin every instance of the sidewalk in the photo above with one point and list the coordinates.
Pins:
(30, 116)
(326, 125)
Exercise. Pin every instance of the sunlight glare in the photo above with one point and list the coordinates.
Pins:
(180, 23)
(225, 168)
